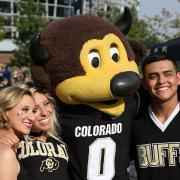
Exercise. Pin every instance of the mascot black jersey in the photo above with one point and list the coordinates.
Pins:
(44, 160)
(156, 152)
(98, 144)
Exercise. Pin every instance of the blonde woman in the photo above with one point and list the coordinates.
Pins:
(17, 111)
(45, 155)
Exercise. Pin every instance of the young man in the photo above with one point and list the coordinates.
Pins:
(156, 130)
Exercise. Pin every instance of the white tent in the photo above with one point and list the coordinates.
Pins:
(7, 45)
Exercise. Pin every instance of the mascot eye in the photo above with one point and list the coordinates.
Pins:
(114, 53)
(94, 58)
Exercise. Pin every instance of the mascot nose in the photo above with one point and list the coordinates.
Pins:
(124, 84)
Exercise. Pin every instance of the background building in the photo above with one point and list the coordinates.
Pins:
(54, 9)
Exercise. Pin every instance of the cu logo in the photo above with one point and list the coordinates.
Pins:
(50, 164)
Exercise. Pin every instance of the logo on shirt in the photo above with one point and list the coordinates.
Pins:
(50, 164)
(158, 154)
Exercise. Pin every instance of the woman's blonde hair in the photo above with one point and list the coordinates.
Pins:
(9, 98)
(55, 127)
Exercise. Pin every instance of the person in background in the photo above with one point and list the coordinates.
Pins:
(17, 77)
(3, 82)
(1, 70)
(156, 129)
(17, 111)
(7, 74)
(45, 155)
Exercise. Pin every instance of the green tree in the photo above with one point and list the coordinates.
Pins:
(110, 12)
(140, 29)
(31, 20)
(148, 30)
(165, 25)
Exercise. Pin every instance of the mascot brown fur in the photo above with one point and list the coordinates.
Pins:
(89, 66)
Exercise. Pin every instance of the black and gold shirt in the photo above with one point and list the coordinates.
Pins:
(44, 160)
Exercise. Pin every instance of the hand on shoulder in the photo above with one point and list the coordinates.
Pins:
(9, 138)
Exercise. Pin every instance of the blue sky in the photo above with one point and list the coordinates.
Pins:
(153, 7)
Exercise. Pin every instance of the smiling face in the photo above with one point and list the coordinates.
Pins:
(43, 114)
(85, 60)
(102, 60)
(22, 115)
(161, 81)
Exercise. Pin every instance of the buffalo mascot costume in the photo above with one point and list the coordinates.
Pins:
(90, 68)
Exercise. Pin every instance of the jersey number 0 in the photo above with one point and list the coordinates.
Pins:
(101, 159)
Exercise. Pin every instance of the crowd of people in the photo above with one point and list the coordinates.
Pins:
(28, 120)
(33, 146)
(11, 76)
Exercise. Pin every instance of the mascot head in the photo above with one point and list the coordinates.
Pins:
(86, 60)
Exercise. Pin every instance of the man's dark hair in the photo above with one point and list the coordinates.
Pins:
(155, 57)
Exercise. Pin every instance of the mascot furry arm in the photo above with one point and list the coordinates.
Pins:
(89, 66)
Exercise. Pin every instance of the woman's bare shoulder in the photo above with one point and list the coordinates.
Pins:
(6, 152)
(9, 166)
